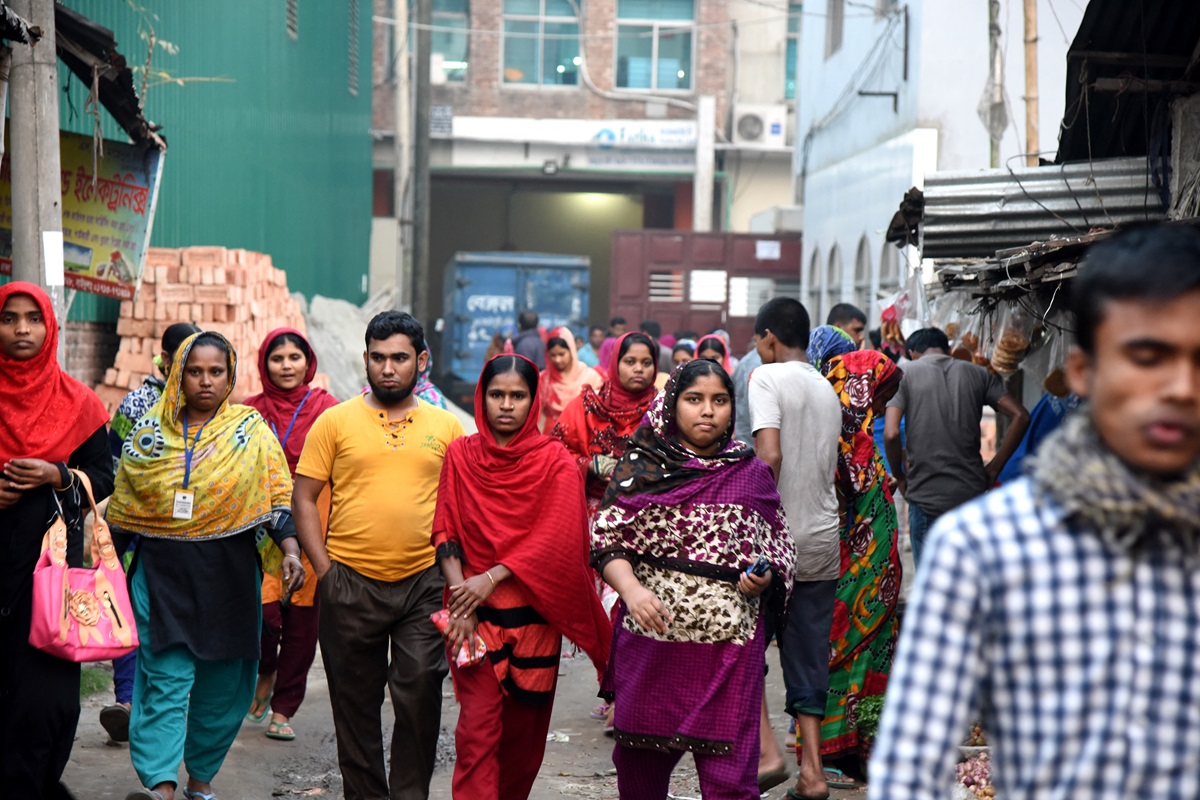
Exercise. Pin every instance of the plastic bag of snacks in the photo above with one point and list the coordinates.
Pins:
(948, 313)
(972, 343)
(1013, 336)
(1060, 344)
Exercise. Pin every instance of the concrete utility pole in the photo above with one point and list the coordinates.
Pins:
(36, 194)
(420, 273)
(401, 142)
(1031, 84)
(702, 180)
(997, 68)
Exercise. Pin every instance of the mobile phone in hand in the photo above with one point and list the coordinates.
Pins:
(759, 568)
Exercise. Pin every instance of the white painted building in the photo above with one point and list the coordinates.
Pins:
(888, 92)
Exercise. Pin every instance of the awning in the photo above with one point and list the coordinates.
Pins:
(90, 51)
(975, 213)
(1129, 58)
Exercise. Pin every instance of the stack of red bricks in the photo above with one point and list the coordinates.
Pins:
(238, 293)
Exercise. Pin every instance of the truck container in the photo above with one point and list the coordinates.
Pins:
(486, 291)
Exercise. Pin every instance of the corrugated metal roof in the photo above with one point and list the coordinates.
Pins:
(1126, 41)
(974, 214)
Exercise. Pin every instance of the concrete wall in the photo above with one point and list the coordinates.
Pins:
(761, 47)
(757, 181)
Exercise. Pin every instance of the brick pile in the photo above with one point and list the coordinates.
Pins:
(238, 293)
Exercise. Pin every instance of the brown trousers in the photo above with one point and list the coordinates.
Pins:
(361, 621)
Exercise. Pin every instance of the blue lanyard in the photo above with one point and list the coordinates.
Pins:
(283, 442)
(190, 449)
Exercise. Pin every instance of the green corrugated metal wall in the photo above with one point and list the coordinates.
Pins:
(276, 160)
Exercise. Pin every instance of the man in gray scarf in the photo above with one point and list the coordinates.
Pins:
(1062, 611)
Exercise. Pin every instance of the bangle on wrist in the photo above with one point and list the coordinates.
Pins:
(296, 558)
(489, 576)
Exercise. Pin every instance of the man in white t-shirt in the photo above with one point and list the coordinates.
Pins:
(797, 421)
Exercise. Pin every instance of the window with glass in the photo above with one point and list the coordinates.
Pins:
(654, 44)
(449, 37)
(541, 43)
(793, 50)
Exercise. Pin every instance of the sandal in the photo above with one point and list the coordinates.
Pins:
(115, 721)
(840, 780)
(772, 778)
(144, 794)
(600, 711)
(190, 795)
(274, 731)
(266, 709)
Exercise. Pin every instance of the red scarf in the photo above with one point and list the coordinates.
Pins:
(522, 506)
(615, 400)
(44, 412)
(278, 405)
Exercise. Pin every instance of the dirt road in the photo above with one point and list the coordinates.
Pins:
(578, 762)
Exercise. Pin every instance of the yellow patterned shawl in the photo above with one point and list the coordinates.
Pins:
(239, 474)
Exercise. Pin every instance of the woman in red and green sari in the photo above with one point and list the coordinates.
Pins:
(864, 618)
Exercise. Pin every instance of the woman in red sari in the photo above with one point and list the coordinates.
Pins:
(597, 425)
(563, 378)
(511, 537)
(290, 405)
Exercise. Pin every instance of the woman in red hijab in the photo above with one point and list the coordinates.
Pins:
(290, 405)
(49, 422)
(563, 378)
(596, 425)
(511, 537)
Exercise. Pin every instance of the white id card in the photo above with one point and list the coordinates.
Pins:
(183, 505)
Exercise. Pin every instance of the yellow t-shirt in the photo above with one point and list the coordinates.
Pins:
(385, 479)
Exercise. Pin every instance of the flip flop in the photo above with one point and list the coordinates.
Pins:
(190, 795)
(274, 728)
(266, 709)
(144, 794)
(839, 780)
(115, 721)
(794, 795)
(769, 780)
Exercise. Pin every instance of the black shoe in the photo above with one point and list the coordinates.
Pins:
(115, 720)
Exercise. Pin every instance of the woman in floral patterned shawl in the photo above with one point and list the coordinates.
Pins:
(864, 616)
(687, 511)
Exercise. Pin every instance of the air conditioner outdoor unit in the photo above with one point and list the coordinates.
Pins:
(762, 125)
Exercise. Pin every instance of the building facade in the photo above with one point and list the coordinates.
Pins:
(557, 122)
(889, 94)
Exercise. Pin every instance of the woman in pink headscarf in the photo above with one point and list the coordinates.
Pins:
(563, 378)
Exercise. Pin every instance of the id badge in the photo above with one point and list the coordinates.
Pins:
(183, 505)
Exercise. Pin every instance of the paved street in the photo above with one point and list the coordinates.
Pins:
(259, 768)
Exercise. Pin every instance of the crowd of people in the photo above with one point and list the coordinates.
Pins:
(664, 506)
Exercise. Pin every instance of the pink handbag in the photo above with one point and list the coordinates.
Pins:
(81, 614)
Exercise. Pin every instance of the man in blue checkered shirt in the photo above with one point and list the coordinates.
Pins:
(1063, 610)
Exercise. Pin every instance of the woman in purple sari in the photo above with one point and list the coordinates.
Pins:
(688, 513)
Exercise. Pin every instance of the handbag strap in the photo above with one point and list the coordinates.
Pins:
(102, 545)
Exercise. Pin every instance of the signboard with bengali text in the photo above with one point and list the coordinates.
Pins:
(108, 214)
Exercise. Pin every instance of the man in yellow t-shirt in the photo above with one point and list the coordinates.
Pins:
(379, 582)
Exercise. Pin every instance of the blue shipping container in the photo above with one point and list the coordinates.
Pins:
(485, 291)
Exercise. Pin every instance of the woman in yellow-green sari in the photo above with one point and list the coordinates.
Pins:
(203, 483)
